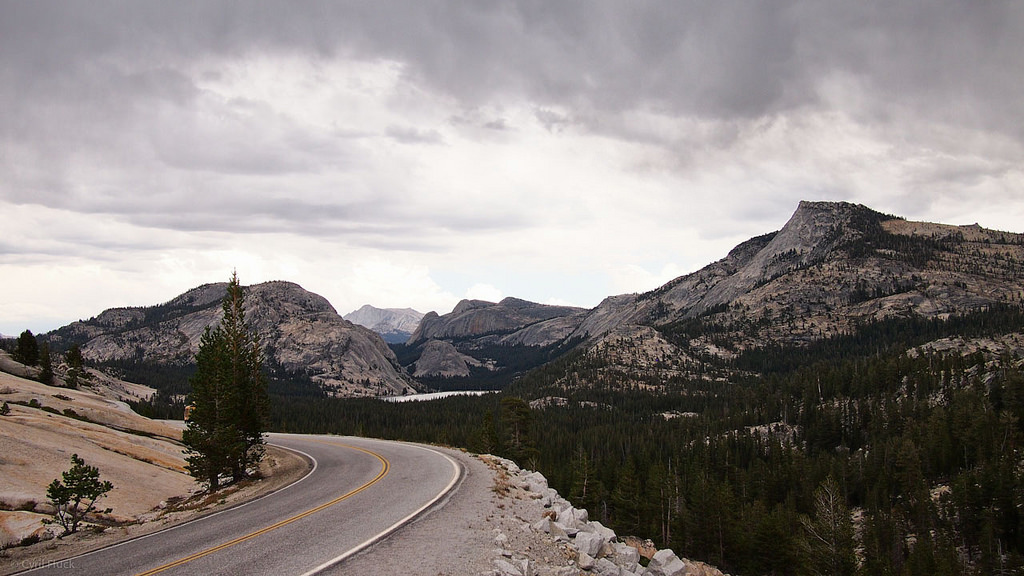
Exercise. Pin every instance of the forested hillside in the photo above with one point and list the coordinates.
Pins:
(918, 450)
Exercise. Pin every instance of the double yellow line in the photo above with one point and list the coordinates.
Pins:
(385, 466)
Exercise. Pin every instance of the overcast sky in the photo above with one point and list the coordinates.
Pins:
(417, 153)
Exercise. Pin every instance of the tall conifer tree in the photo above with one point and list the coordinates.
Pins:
(209, 433)
(229, 397)
(45, 364)
(249, 399)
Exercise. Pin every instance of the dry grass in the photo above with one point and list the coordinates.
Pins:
(502, 482)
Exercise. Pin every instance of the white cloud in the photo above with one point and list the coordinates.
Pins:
(560, 302)
(633, 278)
(387, 283)
(485, 292)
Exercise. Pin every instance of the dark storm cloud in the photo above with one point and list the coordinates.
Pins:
(720, 58)
(87, 83)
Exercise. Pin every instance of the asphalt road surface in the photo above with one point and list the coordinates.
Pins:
(358, 492)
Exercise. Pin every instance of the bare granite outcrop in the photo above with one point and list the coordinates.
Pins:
(453, 343)
(586, 546)
(301, 333)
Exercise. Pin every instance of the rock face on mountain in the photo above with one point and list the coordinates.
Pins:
(395, 325)
(505, 321)
(300, 331)
(832, 266)
(439, 358)
(476, 329)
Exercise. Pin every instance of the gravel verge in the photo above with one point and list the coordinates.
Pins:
(482, 520)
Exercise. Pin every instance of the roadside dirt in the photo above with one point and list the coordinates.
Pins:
(485, 518)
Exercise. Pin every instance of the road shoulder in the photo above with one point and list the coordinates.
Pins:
(280, 468)
(462, 535)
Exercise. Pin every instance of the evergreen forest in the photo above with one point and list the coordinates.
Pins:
(850, 456)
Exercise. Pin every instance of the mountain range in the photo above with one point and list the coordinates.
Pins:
(834, 266)
(395, 325)
(831, 268)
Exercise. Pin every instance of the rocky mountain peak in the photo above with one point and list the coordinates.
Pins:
(510, 302)
(467, 305)
(480, 334)
(201, 295)
(394, 324)
(832, 267)
(817, 228)
(815, 232)
(300, 331)
(475, 318)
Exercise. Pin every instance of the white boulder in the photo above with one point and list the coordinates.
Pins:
(666, 563)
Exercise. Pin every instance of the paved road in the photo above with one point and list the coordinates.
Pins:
(359, 490)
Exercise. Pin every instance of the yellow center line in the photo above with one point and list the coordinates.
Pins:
(385, 466)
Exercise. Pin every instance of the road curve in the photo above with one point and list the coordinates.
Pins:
(359, 491)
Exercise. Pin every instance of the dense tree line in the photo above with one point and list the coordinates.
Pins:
(868, 461)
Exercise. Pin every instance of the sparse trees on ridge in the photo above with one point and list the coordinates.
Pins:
(229, 398)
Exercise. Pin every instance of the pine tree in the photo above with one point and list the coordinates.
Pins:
(210, 432)
(517, 419)
(27, 350)
(45, 365)
(581, 490)
(76, 495)
(830, 532)
(76, 366)
(626, 499)
(229, 399)
(250, 402)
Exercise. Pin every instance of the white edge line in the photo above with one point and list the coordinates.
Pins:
(400, 523)
(193, 520)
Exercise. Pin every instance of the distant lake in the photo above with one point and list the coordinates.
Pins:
(435, 395)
